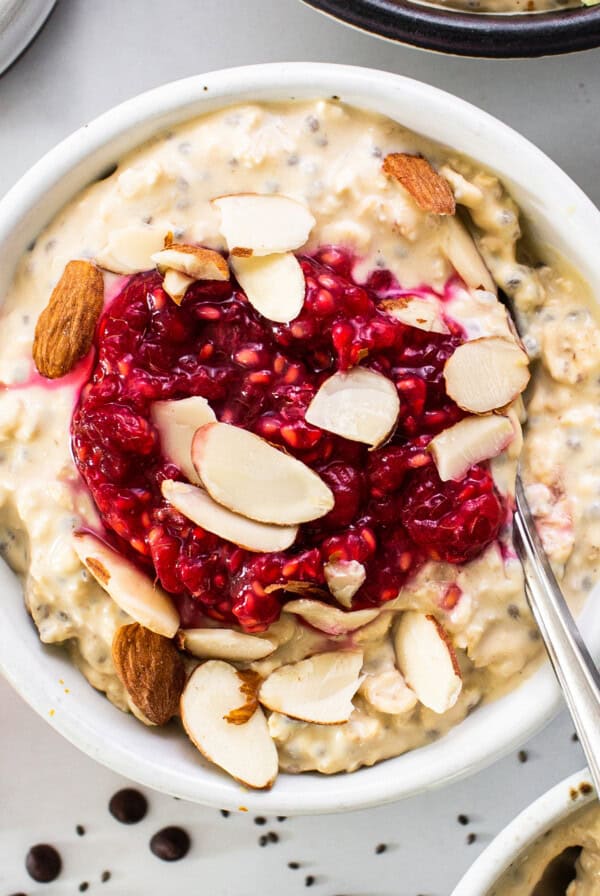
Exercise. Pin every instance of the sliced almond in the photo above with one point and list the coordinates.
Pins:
(255, 224)
(177, 421)
(329, 619)
(176, 285)
(245, 751)
(360, 405)
(319, 689)
(199, 507)
(344, 578)
(469, 442)
(462, 253)
(274, 284)
(247, 475)
(388, 692)
(485, 374)
(249, 684)
(430, 190)
(224, 644)
(130, 250)
(427, 660)
(130, 588)
(193, 261)
(416, 312)
(65, 328)
(151, 669)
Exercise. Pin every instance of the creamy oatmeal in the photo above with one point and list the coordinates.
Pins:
(360, 348)
(564, 862)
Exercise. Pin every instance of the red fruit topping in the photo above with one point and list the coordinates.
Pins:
(391, 511)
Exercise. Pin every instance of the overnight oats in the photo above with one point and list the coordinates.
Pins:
(260, 421)
(564, 862)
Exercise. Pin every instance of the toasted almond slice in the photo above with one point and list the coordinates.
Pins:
(429, 189)
(130, 249)
(176, 284)
(194, 261)
(329, 619)
(388, 692)
(427, 660)
(360, 405)
(485, 374)
(263, 224)
(177, 421)
(416, 312)
(344, 578)
(151, 669)
(468, 442)
(319, 689)
(199, 507)
(130, 588)
(462, 253)
(245, 751)
(274, 284)
(249, 476)
(224, 644)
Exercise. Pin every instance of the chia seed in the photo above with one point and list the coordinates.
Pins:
(522, 756)
(309, 880)
(471, 838)
(463, 819)
(381, 847)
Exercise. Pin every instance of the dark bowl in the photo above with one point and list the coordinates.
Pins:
(490, 35)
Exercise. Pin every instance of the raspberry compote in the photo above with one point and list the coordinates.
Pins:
(391, 513)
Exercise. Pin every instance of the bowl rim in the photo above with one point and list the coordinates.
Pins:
(80, 159)
(464, 33)
(554, 806)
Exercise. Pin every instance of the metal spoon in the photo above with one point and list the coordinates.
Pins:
(574, 667)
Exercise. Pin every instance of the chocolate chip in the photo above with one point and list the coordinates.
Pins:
(471, 838)
(463, 819)
(43, 863)
(128, 806)
(523, 755)
(80, 830)
(170, 844)
(260, 819)
(381, 847)
(105, 877)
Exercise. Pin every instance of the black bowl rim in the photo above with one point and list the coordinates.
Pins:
(483, 35)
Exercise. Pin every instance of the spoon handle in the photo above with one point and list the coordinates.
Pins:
(570, 658)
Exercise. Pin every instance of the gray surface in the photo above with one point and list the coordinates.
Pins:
(91, 55)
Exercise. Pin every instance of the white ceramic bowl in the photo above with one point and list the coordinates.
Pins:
(549, 810)
(560, 213)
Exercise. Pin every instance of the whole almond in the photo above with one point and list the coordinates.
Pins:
(65, 328)
(429, 189)
(151, 669)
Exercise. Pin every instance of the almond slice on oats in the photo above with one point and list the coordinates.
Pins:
(193, 261)
(224, 644)
(469, 442)
(430, 190)
(130, 250)
(485, 374)
(249, 476)
(65, 329)
(259, 224)
(459, 248)
(214, 692)
(427, 660)
(344, 578)
(176, 284)
(329, 619)
(319, 689)
(274, 284)
(130, 588)
(200, 508)
(388, 692)
(152, 670)
(416, 312)
(177, 421)
(360, 405)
